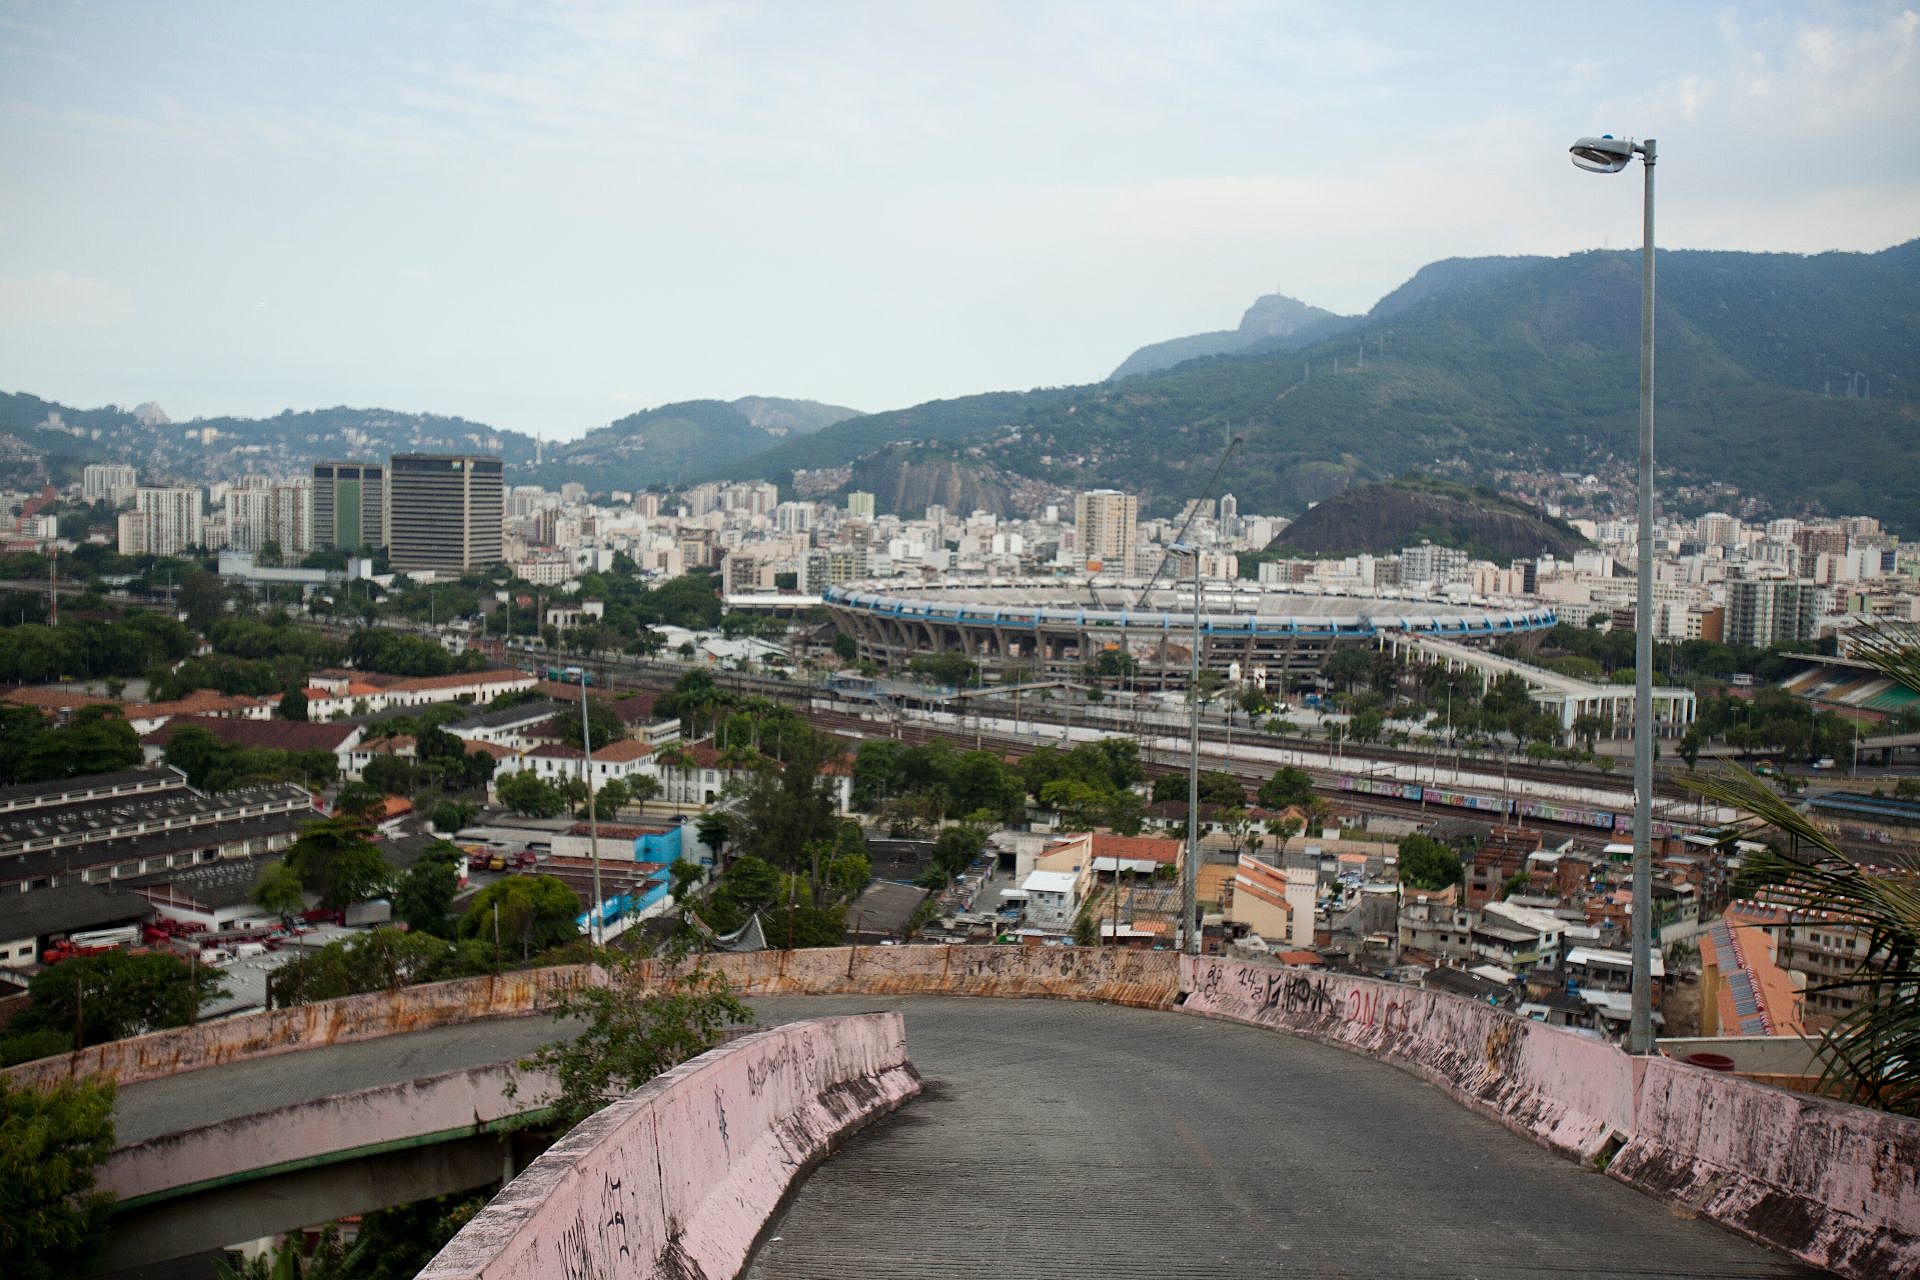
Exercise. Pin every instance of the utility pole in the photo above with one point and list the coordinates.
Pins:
(596, 927)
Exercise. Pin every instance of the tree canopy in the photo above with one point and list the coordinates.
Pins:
(53, 1222)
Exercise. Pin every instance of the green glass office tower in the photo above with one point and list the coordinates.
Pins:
(349, 505)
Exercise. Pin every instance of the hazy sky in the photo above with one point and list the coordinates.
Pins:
(545, 216)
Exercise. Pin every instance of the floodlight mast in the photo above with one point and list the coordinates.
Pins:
(1608, 154)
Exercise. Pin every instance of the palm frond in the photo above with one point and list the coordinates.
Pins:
(1873, 1053)
(1892, 649)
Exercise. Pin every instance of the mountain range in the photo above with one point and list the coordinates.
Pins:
(1795, 378)
(40, 439)
(1791, 377)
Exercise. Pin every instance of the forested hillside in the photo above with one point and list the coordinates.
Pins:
(1493, 364)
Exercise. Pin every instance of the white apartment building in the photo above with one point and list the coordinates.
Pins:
(172, 519)
(260, 511)
(113, 482)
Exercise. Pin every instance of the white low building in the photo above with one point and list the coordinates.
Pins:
(1052, 898)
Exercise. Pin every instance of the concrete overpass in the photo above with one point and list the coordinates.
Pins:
(1563, 697)
(1054, 1137)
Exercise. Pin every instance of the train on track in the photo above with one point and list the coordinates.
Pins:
(1498, 808)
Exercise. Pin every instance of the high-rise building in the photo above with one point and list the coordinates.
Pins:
(1764, 611)
(260, 511)
(107, 481)
(172, 518)
(1106, 524)
(859, 505)
(793, 517)
(444, 512)
(349, 505)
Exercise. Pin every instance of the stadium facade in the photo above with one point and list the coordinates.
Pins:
(1054, 630)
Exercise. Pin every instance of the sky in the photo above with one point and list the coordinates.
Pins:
(545, 216)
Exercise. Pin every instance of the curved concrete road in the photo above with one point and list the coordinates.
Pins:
(1060, 1139)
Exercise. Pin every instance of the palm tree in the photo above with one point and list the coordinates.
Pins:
(677, 759)
(1873, 1053)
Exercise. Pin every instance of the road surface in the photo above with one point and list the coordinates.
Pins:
(1059, 1139)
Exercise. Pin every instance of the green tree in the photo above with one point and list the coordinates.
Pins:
(335, 858)
(1216, 787)
(1589, 728)
(536, 913)
(293, 705)
(424, 897)
(750, 885)
(398, 1243)
(529, 795)
(1086, 930)
(634, 1031)
(53, 1222)
(96, 740)
(844, 647)
(390, 775)
(202, 599)
(279, 890)
(117, 994)
(1288, 786)
(1282, 830)
(784, 811)
(382, 959)
(715, 829)
(956, 848)
(1426, 863)
(956, 670)
(451, 815)
(602, 722)
(612, 797)
(1690, 746)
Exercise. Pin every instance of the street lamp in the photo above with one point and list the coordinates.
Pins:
(1190, 871)
(1608, 154)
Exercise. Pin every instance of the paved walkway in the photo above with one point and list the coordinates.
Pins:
(1066, 1140)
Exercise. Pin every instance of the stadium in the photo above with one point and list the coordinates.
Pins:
(1053, 630)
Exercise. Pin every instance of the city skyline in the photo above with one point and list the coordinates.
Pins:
(555, 216)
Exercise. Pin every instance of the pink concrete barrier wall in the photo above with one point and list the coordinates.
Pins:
(309, 1026)
(679, 1177)
(1568, 1092)
(1744, 1154)
(1141, 978)
(458, 1101)
(1836, 1185)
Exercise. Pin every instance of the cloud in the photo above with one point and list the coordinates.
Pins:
(60, 298)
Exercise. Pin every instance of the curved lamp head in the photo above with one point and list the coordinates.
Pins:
(1605, 154)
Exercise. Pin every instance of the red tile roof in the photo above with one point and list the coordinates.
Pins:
(1136, 848)
(48, 699)
(626, 749)
(199, 702)
(461, 680)
(272, 735)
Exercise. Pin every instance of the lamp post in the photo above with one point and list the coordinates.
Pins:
(1608, 154)
(1190, 871)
